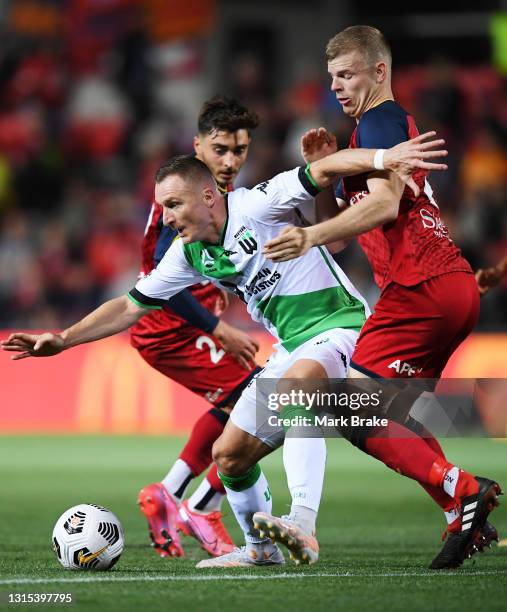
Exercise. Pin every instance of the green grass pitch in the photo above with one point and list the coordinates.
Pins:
(377, 530)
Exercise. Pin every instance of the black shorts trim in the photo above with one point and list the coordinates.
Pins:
(238, 390)
(219, 414)
(359, 368)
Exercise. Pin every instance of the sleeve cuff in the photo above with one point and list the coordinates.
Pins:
(144, 301)
(307, 181)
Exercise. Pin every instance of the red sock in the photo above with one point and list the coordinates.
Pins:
(214, 480)
(197, 451)
(405, 452)
(446, 502)
(408, 454)
(466, 485)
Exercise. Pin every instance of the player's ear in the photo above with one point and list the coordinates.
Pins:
(381, 72)
(208, 197)
(197, 144)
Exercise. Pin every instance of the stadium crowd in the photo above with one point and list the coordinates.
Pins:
(86, 118)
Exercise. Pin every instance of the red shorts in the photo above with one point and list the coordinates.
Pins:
(198, 362)
(414, 330)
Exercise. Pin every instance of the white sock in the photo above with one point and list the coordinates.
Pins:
(178, 478)
(450, 481)
(244, 503)
(304, 517)
(205, 499)
(304, 460)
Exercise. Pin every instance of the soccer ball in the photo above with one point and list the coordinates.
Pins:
(88, 536)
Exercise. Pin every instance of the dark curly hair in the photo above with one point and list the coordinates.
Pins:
(225, 114)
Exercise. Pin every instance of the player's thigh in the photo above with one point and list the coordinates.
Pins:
(324, 356)
(458, 298)
(253, 412)
(398, 339)
(318, 364)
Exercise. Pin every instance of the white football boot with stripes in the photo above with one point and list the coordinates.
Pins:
(268, 554)
(460, 545)
(303, 547)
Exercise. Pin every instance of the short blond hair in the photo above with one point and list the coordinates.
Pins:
(370, 42)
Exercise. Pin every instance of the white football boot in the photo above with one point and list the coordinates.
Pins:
(303, 547)
(251, 556)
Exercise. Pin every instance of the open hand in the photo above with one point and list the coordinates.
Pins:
(33, 345)
(292, 242)
(316, 144)
(487, 279)
(235, 341)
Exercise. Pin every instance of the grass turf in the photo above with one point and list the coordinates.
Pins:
(377, 530)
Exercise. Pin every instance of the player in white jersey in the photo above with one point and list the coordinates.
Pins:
(308, 304)
(293, 302)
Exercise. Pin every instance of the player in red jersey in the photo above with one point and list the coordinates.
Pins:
(429, 301)
(188, 343)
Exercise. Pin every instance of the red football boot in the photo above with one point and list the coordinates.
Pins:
(474, 511)
(161, 512)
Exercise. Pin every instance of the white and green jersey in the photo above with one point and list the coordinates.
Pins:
(294, 300)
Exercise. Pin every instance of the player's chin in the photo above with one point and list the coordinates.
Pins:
(183, 236)
(226, 178)
(353, 113)
(351, 110)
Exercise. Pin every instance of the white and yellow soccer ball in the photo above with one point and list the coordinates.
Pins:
(88, 537)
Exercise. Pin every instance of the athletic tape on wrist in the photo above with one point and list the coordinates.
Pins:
(378, 159)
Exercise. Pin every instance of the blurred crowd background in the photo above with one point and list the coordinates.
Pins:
(95, 94)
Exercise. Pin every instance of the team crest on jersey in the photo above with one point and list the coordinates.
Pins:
(206, 260)
(245, 240)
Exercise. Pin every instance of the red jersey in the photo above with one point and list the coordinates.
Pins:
(159, 324)
(416, 246)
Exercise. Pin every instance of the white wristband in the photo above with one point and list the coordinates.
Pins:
(378, 159)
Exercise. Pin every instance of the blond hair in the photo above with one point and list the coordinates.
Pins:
(370, 42)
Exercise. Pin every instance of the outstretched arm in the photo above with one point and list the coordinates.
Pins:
(188, 307)
(108, 319)
(378, 207)
(401, 159)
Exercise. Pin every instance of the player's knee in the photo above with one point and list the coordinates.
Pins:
(229, 461)
(223, 456)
